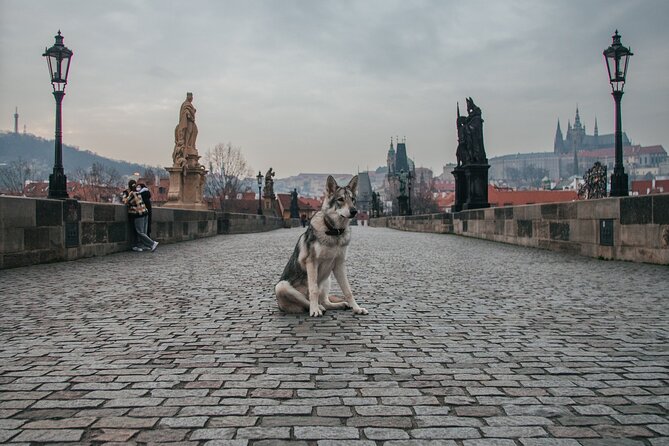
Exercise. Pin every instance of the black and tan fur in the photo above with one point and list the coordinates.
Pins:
(320, 252)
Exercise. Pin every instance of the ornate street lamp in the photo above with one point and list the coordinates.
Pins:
(259, 178)
(58, 58)
(617, 58)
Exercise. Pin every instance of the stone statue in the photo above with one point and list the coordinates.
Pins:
(474, 132)
(403, 183)
(461, 152)
(470, 136)
(185, 133)
(269, 183)
(294, 206)
(594, 185)
(187, 175)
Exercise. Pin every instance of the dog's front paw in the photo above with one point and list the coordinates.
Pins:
(360, 310)
(315, 311)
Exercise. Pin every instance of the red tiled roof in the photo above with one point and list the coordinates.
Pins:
(502, 197)
(644, 187)
(309, 203)
(627, 151)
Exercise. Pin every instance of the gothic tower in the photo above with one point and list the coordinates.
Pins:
(391, 158)
(558, 144)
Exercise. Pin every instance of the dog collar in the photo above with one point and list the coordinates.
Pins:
(331, 229)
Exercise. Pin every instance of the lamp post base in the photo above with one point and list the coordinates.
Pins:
(57, 185)
(619, 183)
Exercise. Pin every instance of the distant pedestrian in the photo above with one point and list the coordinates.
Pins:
(146, 198)
(137, 215)
(303, 220)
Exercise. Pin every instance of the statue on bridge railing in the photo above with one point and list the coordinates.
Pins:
(471, 171)
(594, 185)
(470, 136)
(269, 184)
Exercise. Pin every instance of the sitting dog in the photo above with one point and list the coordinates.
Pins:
(321, 251)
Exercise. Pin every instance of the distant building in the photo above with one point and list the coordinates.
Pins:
(306, 206)
(364, 198)
(647, 187)
(577, 139)
(398, 162)
(501, 197)
(575, 153)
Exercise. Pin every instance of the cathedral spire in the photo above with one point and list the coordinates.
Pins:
(558, 144)
(577, 119)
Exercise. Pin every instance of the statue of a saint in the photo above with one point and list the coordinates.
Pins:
(294, 206)
(474, 133)
(403, 183)
(185, 132)
(269, 183)
(461, 153)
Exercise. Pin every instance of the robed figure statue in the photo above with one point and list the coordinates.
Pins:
(185, 132)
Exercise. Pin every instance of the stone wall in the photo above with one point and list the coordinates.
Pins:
(36, 231)
(437, 223)
(629, 228)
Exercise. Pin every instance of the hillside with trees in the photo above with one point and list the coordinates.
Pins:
(38, 153)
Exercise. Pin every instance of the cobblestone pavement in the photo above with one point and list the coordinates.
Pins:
(467, 343)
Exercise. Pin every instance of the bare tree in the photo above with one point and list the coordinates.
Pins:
(99, 175)
(152, 175)
(424, 201)
(95, 180)
(228, 171)
(13, 176)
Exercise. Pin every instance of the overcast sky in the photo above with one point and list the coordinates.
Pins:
(321, 86)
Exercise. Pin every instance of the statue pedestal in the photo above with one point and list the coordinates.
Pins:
(403, 202)
(476, 180)
(460, 189)
(186, 187)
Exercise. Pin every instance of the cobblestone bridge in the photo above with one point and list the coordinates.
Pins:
(467, 343)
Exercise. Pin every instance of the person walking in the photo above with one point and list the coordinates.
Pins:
(138, 215)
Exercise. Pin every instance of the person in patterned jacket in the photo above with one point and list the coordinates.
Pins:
(137, 215)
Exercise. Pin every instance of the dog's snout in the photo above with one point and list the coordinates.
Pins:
(353, 211)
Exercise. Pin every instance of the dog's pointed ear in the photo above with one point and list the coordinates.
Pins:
(331, 185)
(353, 185)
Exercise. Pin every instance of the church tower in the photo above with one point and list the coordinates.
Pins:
(558, 144)
(391, 158)
(401, 159)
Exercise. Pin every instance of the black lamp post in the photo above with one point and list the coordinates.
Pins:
(259, 178)
(58, 58)
(617, 58)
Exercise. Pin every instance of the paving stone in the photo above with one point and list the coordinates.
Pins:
(7, 434)
(326, 433)
(489, 442)
(549, 442)
(232, 421)
(456, 433)
(513, 431)
(49, 435)
(162, 435)
(234, 443)
(115, 435)
(253, 433)
(375, 433)
(62, 423)
(435, 420)
(212, 434)
(126, 423)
